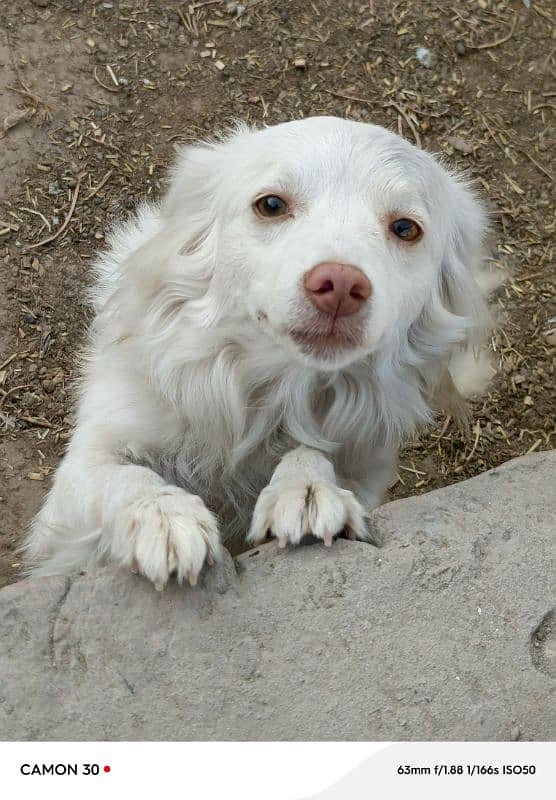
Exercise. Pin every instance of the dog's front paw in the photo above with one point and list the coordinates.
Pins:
(168, 531)
(290, 509)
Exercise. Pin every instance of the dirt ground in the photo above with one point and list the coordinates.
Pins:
(95, 95)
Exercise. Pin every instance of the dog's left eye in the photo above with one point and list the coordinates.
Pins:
(406, 229)
(271, 206)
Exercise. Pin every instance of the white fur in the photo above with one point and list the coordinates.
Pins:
(303, 498)
(192, 384)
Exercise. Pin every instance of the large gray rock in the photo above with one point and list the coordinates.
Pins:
(444, 632)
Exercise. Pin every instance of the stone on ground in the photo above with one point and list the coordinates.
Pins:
(445, 631)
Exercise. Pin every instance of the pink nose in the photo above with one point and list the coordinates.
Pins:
(337, 289)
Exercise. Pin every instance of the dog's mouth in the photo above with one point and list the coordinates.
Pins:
(328, 337)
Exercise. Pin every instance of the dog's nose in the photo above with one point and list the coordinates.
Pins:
(338, 290)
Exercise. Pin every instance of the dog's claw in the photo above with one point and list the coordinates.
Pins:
(210, 559)
(351, 535)
(282, 542)
(159, 586)
(134, 567)
(192, 578)
(327, 538)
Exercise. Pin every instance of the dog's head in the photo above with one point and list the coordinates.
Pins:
(333, 238)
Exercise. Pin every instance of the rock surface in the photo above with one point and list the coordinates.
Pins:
(446, 631)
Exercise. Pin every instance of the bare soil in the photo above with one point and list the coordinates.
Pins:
(95, 95)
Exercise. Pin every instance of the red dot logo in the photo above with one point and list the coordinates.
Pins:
(107, 768)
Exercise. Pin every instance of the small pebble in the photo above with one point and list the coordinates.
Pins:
(235, 9)
(461, 49)
(425, 57)
(460, 144)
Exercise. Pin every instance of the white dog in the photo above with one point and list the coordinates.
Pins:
(262, 342)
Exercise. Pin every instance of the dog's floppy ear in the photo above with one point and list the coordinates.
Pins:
(190, 202)
(182, 225)
(463, 261)
(465, 281)
(192, 176)
(457, 320)
(194, 179)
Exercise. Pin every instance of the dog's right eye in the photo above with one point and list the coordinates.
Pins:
(271, 206)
